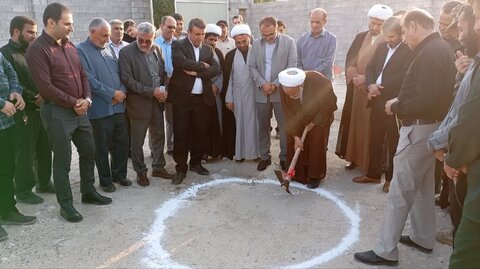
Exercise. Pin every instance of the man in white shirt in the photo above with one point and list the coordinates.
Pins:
(116, 39)
(225, 43)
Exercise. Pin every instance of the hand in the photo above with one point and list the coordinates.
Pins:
(439, 154)
(161, 96)
(206, 64)
(191, 73)
(273, 87)
(298, 143)
(359, 80)
(451, 172)
(310, 126)
(230, 106)
(388, 106)
(464, 169)
(374, 91)
(38, 100)
(118, 97)
(462, 63)
(19, 104)
(81, 107)
(9, 109)
(267, 88)
(215, 90)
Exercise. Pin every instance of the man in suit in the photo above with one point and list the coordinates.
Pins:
(384, 78)
(191, 94)
(270, 55)
(142, 70)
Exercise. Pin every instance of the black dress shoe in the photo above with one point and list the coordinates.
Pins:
(95, 198)
(109, 188)
(70, 214)
(49, 188)
(313, 183)
(350, 166)
(405, 239)
(263, 164)
(199, 169)
(15, 218)
(178, 178)
(369, 257)
(283, 165)
(29, 197)
(124, 182)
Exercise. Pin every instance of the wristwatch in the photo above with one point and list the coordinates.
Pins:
(89, 101)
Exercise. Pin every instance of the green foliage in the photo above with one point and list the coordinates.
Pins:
(162, 8)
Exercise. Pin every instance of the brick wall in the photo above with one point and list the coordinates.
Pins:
(346, 18)
(83, 12)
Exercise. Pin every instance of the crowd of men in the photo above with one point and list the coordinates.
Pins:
(207, 93)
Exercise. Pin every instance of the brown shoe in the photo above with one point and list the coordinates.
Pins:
(142, 180)
(365, 179)
(445, 238)
(161, 173)
(386, 187)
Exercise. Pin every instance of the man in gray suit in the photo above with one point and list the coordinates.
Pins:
(270, 55)
(142, 70)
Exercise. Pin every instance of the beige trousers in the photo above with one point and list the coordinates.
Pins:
(412, 192)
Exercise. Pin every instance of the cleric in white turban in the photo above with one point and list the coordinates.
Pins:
(213, 29)
(381, 12)
(308, 101)
(240, 29)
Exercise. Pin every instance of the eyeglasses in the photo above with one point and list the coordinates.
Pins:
(146, 41)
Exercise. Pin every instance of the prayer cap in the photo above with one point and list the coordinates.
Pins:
(291, 77)
(241, 29)
(213, 29)
(381, 12)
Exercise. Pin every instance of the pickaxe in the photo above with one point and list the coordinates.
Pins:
(285, 178)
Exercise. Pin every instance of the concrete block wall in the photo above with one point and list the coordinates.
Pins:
(83, 12)
(346, 18)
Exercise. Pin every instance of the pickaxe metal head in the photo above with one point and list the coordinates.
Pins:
(285, 184)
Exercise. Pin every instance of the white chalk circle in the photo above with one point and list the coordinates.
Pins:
(158, 257)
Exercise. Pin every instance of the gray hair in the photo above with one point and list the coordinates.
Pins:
(115, 22)
(97, 23)
(146, 28)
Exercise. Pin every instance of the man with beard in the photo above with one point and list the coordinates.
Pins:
(438, 140)
(384, 78)
(240, 96)
(33, 160)
(63, 84)
(354, 129)
(130, 28)
(214, 143)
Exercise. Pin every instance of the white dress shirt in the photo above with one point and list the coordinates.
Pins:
(197, 86)
(389, 55)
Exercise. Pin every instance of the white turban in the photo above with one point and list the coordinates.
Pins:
(291, 77)
(381, 12)
(241, 29)
(213, 29)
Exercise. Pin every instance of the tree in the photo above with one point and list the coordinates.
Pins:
(162, 8)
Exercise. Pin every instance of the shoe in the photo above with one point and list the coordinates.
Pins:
(162, 173)
(386, 187)
(70, 214)
(405, 239)
(199, 169)
(29, 197)
(178, 178)
(49, 188)
(263, 164)
(283, 165)
(445, 238)
(313, 183)
(124, 182)
(15, 218)
(369, 257)
(3, 234)
(142, 180)
(240, 161)
(350, 166)
(95, 198)
(109, 188)
(365, 179)
(442, 204)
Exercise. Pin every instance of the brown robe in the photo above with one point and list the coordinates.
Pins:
(359, 130)
(317, 105)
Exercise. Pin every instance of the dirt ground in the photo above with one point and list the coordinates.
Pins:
(240, 218)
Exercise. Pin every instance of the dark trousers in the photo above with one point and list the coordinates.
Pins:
(189, 132)
(467, 246)
(111, 136)
(63, 126)
(382, 126)
(33, 160)
(155, 126)
(7, 170)
(457, 197)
